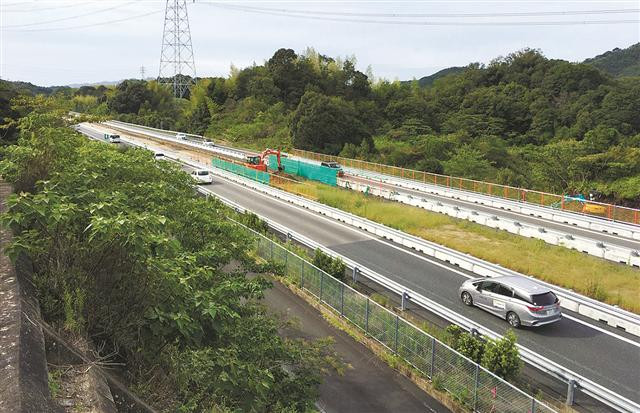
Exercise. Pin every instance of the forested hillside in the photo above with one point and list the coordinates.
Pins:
(522, 120)
(619, 62)
(428, 80)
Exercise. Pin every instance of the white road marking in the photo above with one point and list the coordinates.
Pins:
(422, 257)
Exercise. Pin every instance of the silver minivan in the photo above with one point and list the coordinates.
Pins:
(518, 300)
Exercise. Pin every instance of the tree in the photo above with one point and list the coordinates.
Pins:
(200, 118)
(600, 139)
(218, 90)
(322, 123)
(128, 96)
(468, 162)
(125, 252)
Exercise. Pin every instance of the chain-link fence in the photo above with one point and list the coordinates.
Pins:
(469, 383)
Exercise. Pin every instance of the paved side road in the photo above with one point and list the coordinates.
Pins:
(370, 385)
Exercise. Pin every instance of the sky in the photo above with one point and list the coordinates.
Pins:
(59, 42)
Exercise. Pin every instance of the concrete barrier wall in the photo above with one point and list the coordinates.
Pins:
(572, 218)
(607, 313)
(552, 237)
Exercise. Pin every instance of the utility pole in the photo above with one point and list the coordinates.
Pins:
(177, 65)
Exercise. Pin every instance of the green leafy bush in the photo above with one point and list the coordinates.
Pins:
(124, 251)
(332, 266)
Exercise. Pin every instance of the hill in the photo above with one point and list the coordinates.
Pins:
(428, 80)
(30, 88)
(618, 62)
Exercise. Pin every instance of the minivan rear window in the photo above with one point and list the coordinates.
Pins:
(544, 299)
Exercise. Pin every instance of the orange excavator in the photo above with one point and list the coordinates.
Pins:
(259, 162)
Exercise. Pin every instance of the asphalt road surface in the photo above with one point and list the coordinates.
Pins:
(368, 385)
(598, 352)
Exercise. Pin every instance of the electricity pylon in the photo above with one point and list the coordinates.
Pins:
(177, 65)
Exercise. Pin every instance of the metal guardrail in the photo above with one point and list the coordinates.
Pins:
(580, 220)
(472, 385)
(590, 246)
(573, 379)
(613, 212)
(580, 304)
(594, 222)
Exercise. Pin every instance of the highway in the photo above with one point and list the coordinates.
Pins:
(608, 357)
(609, 239)
(603, 358)
(623, 244)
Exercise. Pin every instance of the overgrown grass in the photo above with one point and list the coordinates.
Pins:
(608, 282)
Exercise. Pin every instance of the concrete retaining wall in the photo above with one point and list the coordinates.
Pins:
(24, 385)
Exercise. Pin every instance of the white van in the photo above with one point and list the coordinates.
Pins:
(112, 138)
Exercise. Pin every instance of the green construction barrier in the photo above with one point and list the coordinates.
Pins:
(241, 170)
(307, 170)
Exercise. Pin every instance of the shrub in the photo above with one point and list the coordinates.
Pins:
(332, 266)
(499, 356)
(502, 357)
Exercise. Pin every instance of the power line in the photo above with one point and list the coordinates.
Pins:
(91, 13)
(84, 25)
(39, 9)
(427, 23)
(432, 15)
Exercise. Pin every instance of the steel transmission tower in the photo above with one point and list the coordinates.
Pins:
(177, 66)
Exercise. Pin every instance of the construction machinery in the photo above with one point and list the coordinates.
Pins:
(260, 161)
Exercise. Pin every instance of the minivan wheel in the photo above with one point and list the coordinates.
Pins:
(513, 319)
(466, 298)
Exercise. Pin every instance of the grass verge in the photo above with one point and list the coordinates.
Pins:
(612, 283)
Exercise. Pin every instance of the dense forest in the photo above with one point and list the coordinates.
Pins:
(523, 120)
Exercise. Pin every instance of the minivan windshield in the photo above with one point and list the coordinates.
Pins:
(544, 299)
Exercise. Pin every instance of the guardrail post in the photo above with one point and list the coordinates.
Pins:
(321, 284)
(271, 251)
(341, 299)
(475, 387)
(433, 357)
(301, 274)
(355, 274)
(395, 347)
(571, 388)
(533, 405)
(366, 317)
(405, 301)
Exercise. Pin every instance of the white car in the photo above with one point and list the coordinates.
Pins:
(202, 176)
(181, 136)
(208, 143)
